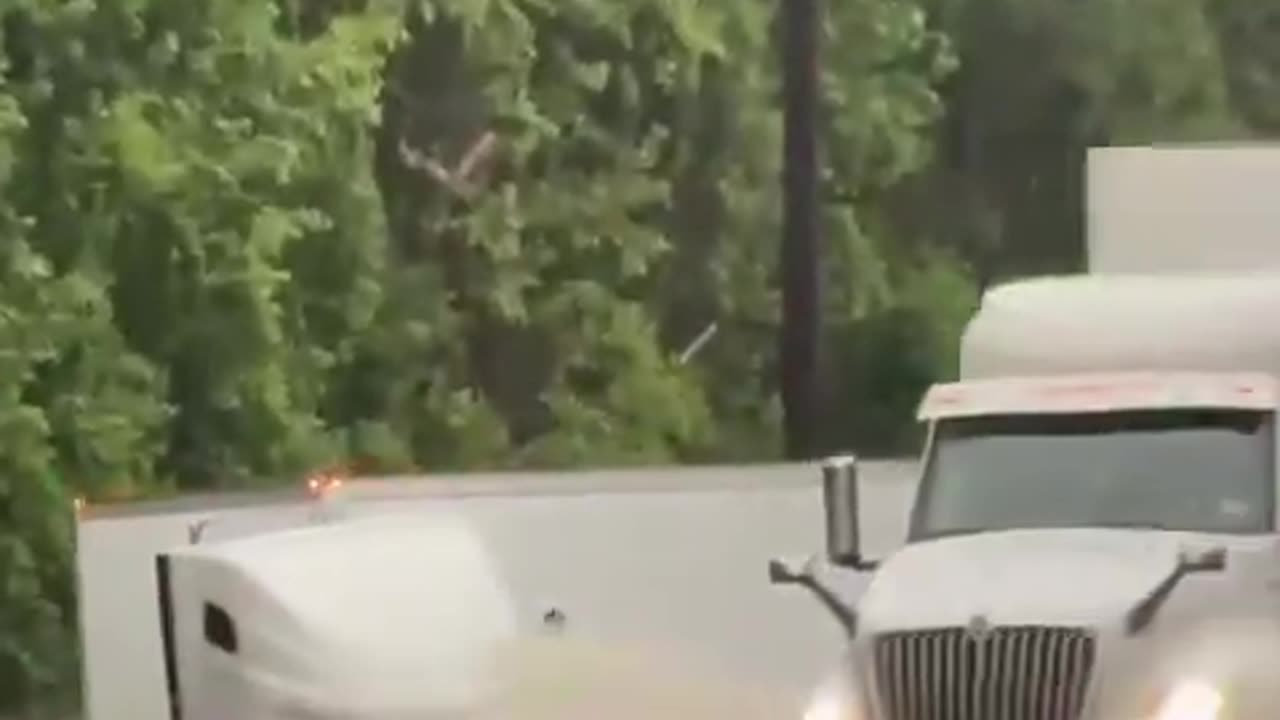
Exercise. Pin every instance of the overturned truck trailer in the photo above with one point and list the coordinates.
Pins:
(269, 602)
(421, 626)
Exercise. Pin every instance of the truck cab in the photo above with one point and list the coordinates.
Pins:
(1094, 531)
(1093, 534)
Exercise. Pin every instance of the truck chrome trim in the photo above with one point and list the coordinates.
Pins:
(1005, 673)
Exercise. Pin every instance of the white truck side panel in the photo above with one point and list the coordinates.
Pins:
(1183, 208)
(379, 619)
(115, 559)
(671, 558)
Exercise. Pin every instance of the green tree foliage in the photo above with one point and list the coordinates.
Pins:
(190, 240)
(593, 184)
(243, 238)
(1040, 81)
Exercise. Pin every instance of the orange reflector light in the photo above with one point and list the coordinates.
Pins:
(322, 484)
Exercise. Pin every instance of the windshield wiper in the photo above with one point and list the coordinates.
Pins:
(1141, 615)
(1133, 525)
(955, 532)
(1119, 525)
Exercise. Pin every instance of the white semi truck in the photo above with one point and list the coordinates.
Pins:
(1095, 532)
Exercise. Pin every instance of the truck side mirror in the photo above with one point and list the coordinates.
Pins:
(840, 505)
(1211, 560)
(780, 573)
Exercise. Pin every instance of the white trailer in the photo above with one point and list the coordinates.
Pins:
(1095, 535)
(1177, 209)
(666, 562)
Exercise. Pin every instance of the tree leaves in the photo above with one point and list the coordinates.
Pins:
(162, 267)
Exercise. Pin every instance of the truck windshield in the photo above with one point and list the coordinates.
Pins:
(1191, 470)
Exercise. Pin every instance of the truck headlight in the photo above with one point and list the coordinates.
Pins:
(1191, 700)
(834, 702)
(829, 708)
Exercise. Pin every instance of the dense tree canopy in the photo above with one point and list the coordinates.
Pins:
(242, 238)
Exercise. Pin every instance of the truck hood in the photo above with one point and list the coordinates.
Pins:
(1068, 577)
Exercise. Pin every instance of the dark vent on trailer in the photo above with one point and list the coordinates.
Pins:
(220, 629)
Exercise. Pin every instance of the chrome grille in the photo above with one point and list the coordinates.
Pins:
(1005, 673)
